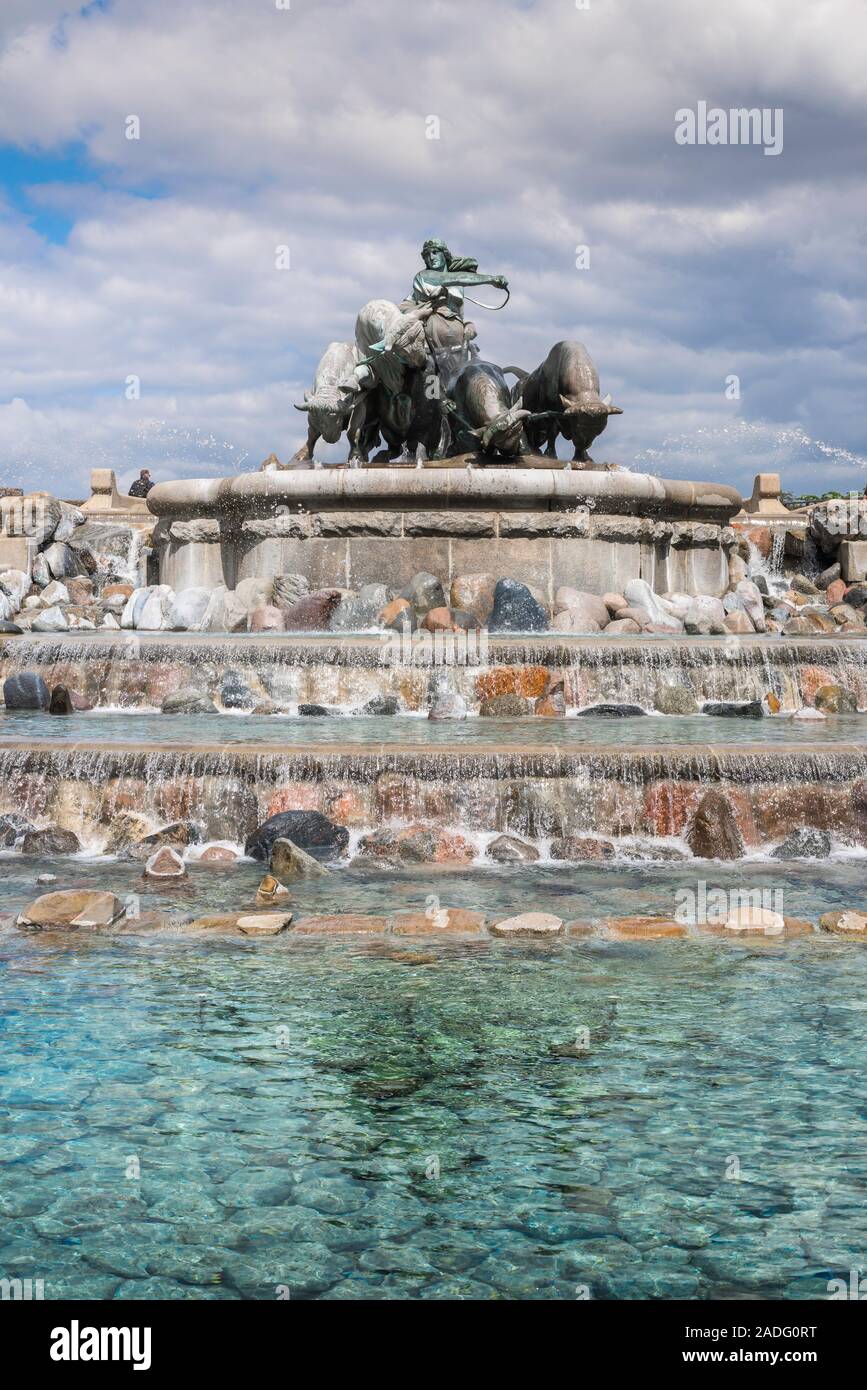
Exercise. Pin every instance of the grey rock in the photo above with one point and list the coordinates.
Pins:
(734, 709)
(289, 588)
(448, 704)
(308, 830)
(424, 591)
(674, 698)
(189, 700)
(805, 843)
(508, 849)
(51, 840)
(288, 861)
(515, 609)
(27, 690)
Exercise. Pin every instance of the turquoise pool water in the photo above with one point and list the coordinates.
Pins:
(229, 1120)
(291, 731)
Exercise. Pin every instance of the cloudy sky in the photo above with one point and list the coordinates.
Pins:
(308, 127)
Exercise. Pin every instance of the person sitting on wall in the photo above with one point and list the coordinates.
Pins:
(142, 485)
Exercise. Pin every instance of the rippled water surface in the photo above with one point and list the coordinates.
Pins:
(289, 731)
(187, 1119)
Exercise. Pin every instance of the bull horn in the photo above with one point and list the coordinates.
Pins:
(305, 406)
(614, 410)
(520, 414)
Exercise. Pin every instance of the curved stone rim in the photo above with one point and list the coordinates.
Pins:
(639, 494)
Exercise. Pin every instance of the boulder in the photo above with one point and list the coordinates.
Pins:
(835, 699)
(177, 835)
(80, 590)
(268, 618)
(288, 589)
(551, 706)
(574, 620)
(356, 614)
(55, 593)
(738, 623)
(589, 606)
(397, 615)
(144, 608)
(312, 613)
(51, 620)
(70, 519)
(14, 584)
(308, 830)
(62, 561)
(625, 626)
(804, 843)
(424, 592)
(381, 705)
(577, 849)
(508, 849)
(263, 923)
(757, 921)
(537, 924)
(515, 609)
(849, 923)
(638, 594)
(27, 690)
(713, 831)
(13, 828)
(217, 854)
(751, 598)
(188, 700)
(673, 697)
(458, 921)
(188, 609)
(70, 910)
(234, 693)
(166, 863)
(644, 928)
(474, 593)
(8, 629)
(416, 844)
(289, 862)
(607, 711)
(61, 701)
(705, 617)
(51, 840)
(734, 709)
(448, 704)
(271, 890)
(505, 707)
(437, 620)
(613, 602)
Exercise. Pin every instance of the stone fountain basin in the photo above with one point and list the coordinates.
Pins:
(544, 526)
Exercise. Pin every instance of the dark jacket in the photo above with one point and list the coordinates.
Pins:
(141, 487)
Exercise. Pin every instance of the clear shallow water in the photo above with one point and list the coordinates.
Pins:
(587, 891)
(339, 1124)
(276, 732)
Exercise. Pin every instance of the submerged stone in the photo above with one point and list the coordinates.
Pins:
(540, 924)
(673, 697)
(27, 690)
(166, 863)
(72, 909)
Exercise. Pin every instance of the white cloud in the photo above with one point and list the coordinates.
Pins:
(261, 127)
